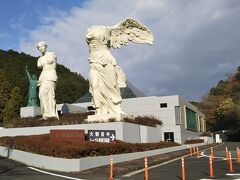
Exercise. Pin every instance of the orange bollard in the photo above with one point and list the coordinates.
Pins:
(111, 169)
(198, 155)
(212, 153)
(191, 152)
(230, 162)
(227, 154)
(146, 169)
(194, 151)
(183, 169)
(238, 155)
(211, 175)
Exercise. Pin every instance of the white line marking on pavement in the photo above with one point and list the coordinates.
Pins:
(205, 179)
(151, 167)
(233, 174)
(158, 165)
(215, 179)
(218, 179)
(223, 158)
(58, 175)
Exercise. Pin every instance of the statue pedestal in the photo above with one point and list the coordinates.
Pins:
(30, 111)
(105, 117)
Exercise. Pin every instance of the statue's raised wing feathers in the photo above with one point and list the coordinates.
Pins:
(130, 30)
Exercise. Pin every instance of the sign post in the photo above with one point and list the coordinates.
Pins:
(102, 135)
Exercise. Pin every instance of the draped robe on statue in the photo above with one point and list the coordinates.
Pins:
(47, 83)
(105, 76)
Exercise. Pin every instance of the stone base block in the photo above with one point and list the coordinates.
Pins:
(105, 118)
(30, 111)
(126, 132)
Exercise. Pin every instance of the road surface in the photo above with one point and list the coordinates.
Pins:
(195, 168)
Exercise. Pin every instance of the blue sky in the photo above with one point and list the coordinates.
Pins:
(196, 43)
(19, 17)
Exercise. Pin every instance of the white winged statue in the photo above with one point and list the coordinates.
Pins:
(105, 76)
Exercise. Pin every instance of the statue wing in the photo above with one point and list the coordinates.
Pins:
(130, 30)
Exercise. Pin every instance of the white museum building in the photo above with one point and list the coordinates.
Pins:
(181, 120)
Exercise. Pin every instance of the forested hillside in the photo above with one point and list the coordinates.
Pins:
(222, 104)
(70, 86)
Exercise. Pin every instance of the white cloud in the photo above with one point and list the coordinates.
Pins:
(188, 45)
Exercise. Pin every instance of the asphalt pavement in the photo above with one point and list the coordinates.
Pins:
(12, 170)
(195, 169)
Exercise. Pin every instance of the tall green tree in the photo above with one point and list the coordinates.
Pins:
(13, 105)
(70, 85)
(5, 90)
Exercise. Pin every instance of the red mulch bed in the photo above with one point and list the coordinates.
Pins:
(194, 141)
(44, 145)
(144, 120)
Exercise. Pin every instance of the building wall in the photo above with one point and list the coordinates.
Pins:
(151, 106)
(149, 134)
(187, 134)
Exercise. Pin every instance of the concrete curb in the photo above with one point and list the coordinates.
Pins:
(73, 165)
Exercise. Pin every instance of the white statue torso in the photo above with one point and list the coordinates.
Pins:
(98, 38)
(48, 63)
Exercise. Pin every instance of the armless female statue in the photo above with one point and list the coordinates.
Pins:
(47, 81)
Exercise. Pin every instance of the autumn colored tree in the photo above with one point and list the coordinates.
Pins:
(222, 104)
